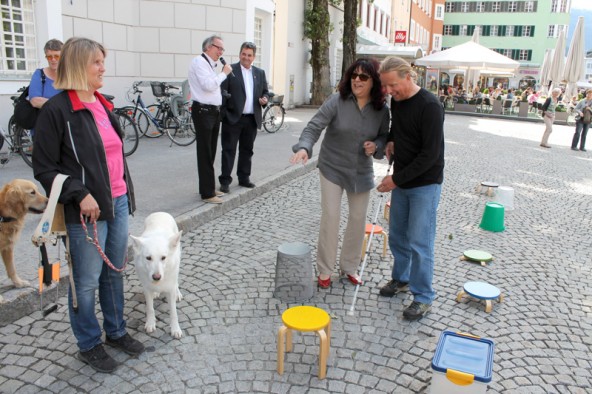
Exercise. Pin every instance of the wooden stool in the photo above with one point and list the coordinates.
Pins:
(477, 256)
(305, 319)
(387, 211)
(378, 230)
(481, 291)
(491, 186)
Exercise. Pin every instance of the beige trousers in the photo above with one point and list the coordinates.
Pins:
(351, 249)
(548, 128)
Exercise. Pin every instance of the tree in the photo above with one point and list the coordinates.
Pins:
(350, 35)
(317, 26)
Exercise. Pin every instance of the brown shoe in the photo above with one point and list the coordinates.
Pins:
(219, 194)
(212, 200)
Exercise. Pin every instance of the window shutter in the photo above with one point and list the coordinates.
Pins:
(517, 31)
(455, 30)
(486, 30)
(502, 31)
(532, 31)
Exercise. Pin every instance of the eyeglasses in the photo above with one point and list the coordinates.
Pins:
(219, 48)
(52, 57)
(362, 77)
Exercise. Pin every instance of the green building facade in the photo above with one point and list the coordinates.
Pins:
(523, 30)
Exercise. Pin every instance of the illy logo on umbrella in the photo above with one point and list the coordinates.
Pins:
(400, 36)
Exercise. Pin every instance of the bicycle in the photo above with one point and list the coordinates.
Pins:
(19, 140)
(131, 136)
(273, 117)
(170, 115)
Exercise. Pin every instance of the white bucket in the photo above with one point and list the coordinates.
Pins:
(505, 196)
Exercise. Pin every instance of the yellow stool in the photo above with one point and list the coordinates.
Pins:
(387, 211)
(305, 319)
(378, 230)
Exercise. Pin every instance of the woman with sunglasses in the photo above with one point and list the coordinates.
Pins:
(357, 123)
(41, 88)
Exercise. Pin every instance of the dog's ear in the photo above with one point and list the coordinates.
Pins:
(175, 240)
(136, 244)
(16, 200)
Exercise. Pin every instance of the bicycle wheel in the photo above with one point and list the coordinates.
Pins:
(153, 131)
(24, 142)
(273, 118)
(182, 131)
(131, 136)
(141, 119)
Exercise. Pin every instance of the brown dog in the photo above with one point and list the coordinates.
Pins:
(17, 198)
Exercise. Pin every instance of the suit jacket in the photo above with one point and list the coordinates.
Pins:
(232, 107)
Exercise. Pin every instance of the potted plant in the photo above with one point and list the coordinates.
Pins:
(560, 113)
(523, 105)
(497, 106)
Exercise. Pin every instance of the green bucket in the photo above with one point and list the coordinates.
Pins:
(493, 217)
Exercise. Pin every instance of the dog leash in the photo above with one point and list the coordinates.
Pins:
(95, 241)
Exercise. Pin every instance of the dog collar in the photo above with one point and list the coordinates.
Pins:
(6, 219)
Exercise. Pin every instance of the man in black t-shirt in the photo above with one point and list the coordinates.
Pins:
(416, 146)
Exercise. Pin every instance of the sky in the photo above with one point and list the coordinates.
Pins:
(581, 4)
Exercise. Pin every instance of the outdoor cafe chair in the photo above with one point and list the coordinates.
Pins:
(487, 104)
(507, 106)
(479, 104)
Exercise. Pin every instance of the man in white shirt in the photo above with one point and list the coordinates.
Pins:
(204, 82)
(244, 94)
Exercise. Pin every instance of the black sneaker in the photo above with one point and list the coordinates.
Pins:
(416, 310)
(98, 359)
(127, 344)
(393, 287)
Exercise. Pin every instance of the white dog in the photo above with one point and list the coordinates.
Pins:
(158, 256)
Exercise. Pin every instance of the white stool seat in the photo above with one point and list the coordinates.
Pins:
(505, 196)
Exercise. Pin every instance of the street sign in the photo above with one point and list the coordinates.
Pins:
(400, 36)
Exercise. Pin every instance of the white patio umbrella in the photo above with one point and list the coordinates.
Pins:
(574, 65)
(472, 74)
(469, 55)
(545, 72)
(558, 62)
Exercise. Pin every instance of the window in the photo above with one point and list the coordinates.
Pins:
(449, 6)
(448, 30)
(17, 45)
(439, 12)
(512, 6)
(494, 30)
(368, 13)
(529, 6)
(527, 31)
(551, 31)
(437, 42)
(412, 30)
(496, 6)
(509, 31)
(257, 40)
(429, 11)
(480, 6)
(463, 30)
(563, 6)
(464, 7)
(524, 54)
(554, 5)
(507, 52)
(376, 21)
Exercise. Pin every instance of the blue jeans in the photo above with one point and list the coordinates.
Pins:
(581, 129)
(91, 273)
(411, 238)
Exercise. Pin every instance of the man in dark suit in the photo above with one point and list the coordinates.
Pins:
(243, 96)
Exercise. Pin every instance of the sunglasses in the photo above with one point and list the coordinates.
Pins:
(363, 77)
(52, 57)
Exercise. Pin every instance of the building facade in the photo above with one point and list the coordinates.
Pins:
(156, 39)
(523, 30)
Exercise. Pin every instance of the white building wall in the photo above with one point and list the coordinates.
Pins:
(156, 39)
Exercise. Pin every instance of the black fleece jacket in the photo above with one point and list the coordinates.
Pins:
(67, 141)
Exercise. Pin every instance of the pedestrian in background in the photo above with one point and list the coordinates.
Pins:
(242, 98)
(356, 120)
(78, 135)
(416, 143)
(204, 83)
(582, 121)
(41, 87)
(549, 115)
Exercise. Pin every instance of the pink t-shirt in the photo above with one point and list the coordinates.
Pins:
(113, 148)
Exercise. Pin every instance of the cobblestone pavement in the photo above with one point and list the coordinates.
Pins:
(542, 330)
